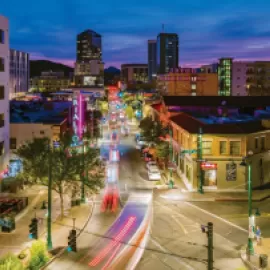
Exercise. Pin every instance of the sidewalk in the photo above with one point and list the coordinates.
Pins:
(181, 193)
(254, 262)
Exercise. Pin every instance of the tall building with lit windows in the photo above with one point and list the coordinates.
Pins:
(167, 52)
(4, 94)
(89, 68)
(152, 60)
(225, 76)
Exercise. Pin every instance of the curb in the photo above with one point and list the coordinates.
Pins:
(247, 263)
(61, 252)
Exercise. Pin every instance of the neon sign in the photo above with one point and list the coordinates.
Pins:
(78, 117)
(208, 166)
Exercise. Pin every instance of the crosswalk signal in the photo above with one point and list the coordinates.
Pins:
(72, 241)
(33, 229)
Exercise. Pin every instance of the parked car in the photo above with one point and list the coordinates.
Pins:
(151, 164)
(154, 173)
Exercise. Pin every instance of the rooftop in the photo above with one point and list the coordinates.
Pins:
(36, 112)
(215, 101)
(192, 125)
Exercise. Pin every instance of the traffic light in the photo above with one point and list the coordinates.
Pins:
(72, 241)
(33, 229)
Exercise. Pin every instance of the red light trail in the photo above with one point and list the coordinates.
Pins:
(105, 251)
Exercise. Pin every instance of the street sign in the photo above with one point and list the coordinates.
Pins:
(189, 151)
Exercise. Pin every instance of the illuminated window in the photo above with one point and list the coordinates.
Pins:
(193, 87)
(207, 147)
(223, 148)
(235, 148)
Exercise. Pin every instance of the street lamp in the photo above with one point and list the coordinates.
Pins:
(246, 162)
(49, 217)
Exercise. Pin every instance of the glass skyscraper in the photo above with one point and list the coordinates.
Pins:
(152, 59)
(167, 52)
(89, 46)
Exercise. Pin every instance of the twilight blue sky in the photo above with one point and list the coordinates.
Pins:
(207, 29)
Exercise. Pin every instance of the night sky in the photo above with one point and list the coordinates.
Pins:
(207, 30)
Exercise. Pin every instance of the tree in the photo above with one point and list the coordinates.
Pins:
(67, 166)
(129, 112)
(10, 262)
(163, 150)
(152, 130)
(39, 255)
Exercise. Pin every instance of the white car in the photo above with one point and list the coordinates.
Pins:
(154, 173)
(151, 164)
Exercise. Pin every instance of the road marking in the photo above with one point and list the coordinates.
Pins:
(180, 224)
(166, 251)
(217, 217)
(174, 217)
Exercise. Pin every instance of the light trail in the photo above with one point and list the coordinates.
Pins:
(104, 252)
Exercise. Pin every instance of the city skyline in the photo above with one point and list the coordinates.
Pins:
(207, 31)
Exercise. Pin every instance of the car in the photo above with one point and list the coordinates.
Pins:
(151, 164)
(154, 173)
(141, 141)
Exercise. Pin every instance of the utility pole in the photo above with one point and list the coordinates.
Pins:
(199, 161)
(210, 246)
(49, 217)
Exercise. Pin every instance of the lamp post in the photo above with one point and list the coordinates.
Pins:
(49, 217)
(251, 223)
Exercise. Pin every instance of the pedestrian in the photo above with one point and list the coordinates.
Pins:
(258, 235)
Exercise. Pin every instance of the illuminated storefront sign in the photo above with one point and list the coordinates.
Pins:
(208, 166)
(77, 117)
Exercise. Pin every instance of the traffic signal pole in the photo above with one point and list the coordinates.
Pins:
(210, 246)
(199, 160)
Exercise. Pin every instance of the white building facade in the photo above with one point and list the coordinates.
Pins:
(19, 73)
(239, 78)
(4, 93)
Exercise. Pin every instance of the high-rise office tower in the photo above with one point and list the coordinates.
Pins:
(152, 59)
(19, 73)
(4, 95)
(89, 66)
(167, 52)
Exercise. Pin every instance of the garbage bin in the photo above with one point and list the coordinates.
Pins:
(263, 260)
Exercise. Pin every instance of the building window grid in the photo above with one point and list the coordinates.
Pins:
(207, 147)
(223, 147)
(235, 148)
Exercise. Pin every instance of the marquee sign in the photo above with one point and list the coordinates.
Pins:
(77, 117)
